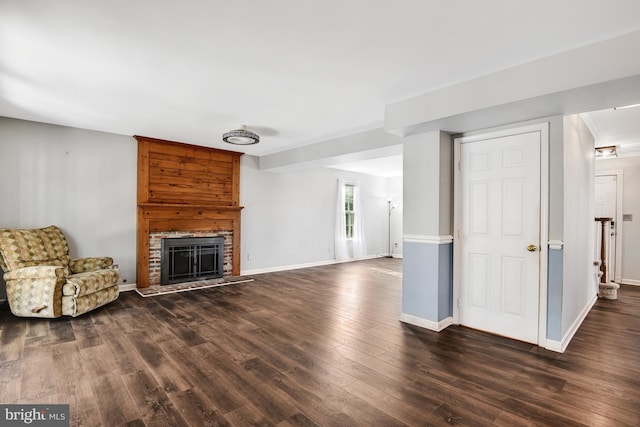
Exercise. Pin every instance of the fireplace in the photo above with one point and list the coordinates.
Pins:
(191, 258)
(185, 191)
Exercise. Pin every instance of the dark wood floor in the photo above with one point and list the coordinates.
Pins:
(319, 346)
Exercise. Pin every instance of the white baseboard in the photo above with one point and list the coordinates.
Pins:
(125, 287)
(427, 324)
(561, 346)
(298, 266)
(554, 345)
(133, 286)
(630, 282)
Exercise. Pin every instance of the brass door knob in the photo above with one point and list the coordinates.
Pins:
(532, 248)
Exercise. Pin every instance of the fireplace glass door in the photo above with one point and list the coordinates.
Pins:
(191, 258)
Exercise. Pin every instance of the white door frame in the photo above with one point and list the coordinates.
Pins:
(619, 174)
(543, 128)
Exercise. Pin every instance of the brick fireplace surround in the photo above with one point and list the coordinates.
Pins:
(185, 190)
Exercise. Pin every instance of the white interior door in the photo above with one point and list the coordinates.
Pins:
(499, 235)
(606, 207)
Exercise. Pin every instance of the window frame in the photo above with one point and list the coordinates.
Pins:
(349, 212)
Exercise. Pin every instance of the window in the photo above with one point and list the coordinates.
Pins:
(349, 213)
(349, 232)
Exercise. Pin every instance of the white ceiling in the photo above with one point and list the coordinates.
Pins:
(620, 127)
(296, 72)
(388, 167)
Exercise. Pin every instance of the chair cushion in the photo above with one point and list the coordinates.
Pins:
(90, 282)
(81, 265)
(28, 248)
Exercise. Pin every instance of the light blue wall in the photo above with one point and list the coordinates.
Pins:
(445, 281)
(419, 271)
(427, 287)
(554, 295)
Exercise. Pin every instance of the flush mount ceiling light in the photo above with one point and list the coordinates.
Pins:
(606, 152)
(241, 136)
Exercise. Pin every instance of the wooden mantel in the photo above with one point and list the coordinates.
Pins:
(184, 187)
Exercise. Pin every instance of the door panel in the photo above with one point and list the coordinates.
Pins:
(512, 295)
(479, 207)
(512, 212)
(500, 211)
(479, 270)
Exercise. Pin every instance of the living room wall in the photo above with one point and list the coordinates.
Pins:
(80, 180)
(288, 218)
(85, 182)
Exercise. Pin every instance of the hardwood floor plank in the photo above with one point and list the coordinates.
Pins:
(122, 353)
(322, 397)
(38, 332)
(227, 343)
(70, 387)
(12, 337)
(267, 398)
(61, 330)
(10, 381)
(13, 334)
(37, 384)
(116, 406)
(319, 408)
(96, 361)
(85, 332)
(153, 403)
(507, 419)
(615, 406)
(542, 415)
(268, 352)
(248, 415)
(397, 411)
(206, 376)
(302, 421)
(166, 370)
(421, 383)
(197, 409)
(447, 415)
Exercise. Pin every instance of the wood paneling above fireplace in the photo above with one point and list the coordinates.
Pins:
(184, 187)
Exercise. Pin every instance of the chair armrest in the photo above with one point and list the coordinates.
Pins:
(36, 291)
(83, 265)
(36, 272)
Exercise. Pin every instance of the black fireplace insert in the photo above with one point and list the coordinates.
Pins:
(187, 259)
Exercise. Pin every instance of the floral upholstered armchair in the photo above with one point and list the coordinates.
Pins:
(43, 281)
